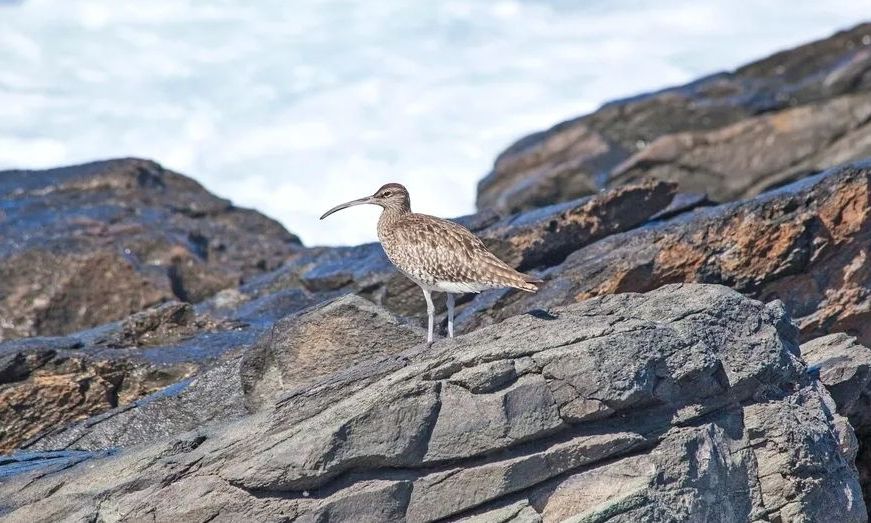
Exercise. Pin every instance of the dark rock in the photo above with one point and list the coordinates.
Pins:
(44, 462)
(162, 325)
(686, 403)
(844, 367)
(752, 155)
(732, 135)
(211, 396)
(544, 237)
(46, 383)
(151, 234)
(50, 387)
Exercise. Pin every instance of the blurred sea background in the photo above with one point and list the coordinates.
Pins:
(292, 107)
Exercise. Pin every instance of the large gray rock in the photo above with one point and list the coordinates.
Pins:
(686, 403)
(844, 367)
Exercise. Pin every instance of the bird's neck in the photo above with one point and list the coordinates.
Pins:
(390, 216)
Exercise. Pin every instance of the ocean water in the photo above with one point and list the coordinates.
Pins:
(291, 107)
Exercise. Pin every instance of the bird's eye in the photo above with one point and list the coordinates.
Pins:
(385, 194)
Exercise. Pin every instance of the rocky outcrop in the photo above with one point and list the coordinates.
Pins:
(211, 395)
(805, 245)
(48, 382)
(732, 135)
(151, 234)
(171, 381)
(297, 350)
(544, 237)
(668, 405)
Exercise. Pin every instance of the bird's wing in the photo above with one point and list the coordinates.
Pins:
(449, 252)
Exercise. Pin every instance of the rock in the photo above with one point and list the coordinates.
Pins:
(775, 148)
(544, 237)
(331, 336)
(168, 322)
(732, 135)
(213, 395)
(805, 244)
(49, 385)
(685, 403)
(46, 383)
(151, 234)
(844, 367)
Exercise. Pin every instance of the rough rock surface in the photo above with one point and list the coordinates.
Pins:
(844, 367)
(213, 395)
(304, 347)
(731, 135)
(151, 234)
(46, 382)
(544, 237)
(685, 403)
(296, 350)
(51, 381)
(805, 244)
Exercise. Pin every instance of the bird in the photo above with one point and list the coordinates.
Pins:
(438, 255)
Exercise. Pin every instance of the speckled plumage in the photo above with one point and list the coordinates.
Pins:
(437, 254)
(443, 255)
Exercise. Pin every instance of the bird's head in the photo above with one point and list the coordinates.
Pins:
(392, 196)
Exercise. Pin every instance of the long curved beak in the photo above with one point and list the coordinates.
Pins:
(345, 205)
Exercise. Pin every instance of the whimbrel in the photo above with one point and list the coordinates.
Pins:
(437, 255)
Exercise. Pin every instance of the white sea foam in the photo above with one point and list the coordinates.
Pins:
(292, 107)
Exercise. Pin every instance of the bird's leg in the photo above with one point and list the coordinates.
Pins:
(450, 315)
(430, 313)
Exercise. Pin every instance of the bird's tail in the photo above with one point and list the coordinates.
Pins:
(528, 283)
(506, 276)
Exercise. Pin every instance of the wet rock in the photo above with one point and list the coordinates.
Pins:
(805, 244)
(212, 395)
(47, 383)
(48, 387)
(731, 135)
(44, 462)
(688, 402)
(319, 341)
(170, 321)
(151, 234)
